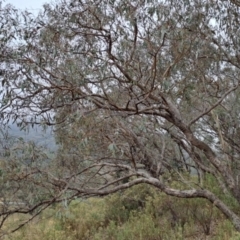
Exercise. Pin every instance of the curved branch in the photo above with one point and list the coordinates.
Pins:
(213, 106)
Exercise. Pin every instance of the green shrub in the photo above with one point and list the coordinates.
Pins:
(141, 212)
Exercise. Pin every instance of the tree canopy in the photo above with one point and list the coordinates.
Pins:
(137, 92)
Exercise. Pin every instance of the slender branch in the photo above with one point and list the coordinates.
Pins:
(213, 106)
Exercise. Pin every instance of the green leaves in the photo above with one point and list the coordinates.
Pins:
(126, 84)
(112, 148)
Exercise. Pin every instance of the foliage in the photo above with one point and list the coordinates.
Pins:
(137, 92)
(161, 217)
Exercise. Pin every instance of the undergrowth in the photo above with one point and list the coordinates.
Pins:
(141, 213)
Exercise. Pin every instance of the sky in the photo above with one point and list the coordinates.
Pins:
(32, 5)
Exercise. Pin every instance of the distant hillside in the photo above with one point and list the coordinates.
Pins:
(37, 134)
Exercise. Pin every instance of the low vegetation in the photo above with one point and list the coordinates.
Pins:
(139, 213)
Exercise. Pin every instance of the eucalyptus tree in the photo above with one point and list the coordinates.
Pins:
(138, 92)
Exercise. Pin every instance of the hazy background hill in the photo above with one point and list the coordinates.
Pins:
(36, 134)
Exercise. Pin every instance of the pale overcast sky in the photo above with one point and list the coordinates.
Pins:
(32, 5)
